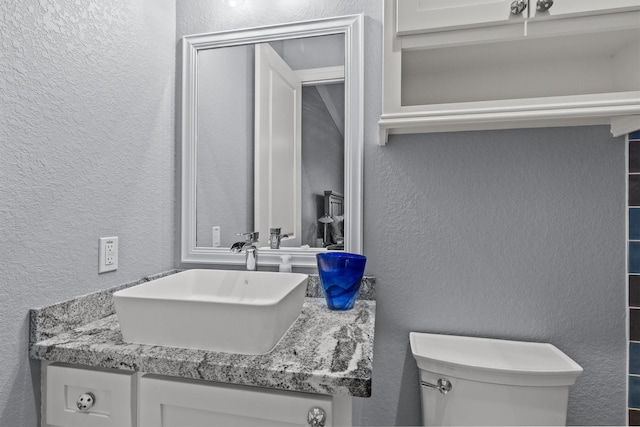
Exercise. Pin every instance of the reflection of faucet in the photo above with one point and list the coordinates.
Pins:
(251, 259)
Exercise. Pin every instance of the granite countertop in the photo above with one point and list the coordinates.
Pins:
(326, 352)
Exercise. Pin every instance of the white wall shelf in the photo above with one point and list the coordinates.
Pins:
(577, 66)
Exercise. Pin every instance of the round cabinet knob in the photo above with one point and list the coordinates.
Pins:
(316, 417)
(544, 5)
(518, 6)
(85, 401)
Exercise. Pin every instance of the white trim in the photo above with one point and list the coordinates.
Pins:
(314, 76)
(352, 28)
(627, 311)
(535, 112)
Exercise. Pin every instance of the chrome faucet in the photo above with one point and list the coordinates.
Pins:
(250, 248)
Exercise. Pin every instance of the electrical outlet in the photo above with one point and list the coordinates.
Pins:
(107, 254)
(215, 231)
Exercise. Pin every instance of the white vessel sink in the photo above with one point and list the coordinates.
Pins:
(243, 312)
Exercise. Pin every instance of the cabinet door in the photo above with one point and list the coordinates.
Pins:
(167, 402)
(584, 7)
(421, 16)
(113, 401)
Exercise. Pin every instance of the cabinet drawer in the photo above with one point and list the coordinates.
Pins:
(166, 402)
(422, 16)
(113, 391)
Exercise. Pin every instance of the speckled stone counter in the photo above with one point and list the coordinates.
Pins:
(326, 352)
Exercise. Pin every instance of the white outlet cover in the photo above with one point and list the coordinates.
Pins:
(215, 231)
(107, 254)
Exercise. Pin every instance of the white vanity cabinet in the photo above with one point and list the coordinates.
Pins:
(172, 402)
(130, 399)
(454, 65)
(112, 397)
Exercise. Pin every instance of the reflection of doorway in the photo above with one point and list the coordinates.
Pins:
(322, 152)
(292, 169)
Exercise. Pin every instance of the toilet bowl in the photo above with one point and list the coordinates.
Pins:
(481, 381)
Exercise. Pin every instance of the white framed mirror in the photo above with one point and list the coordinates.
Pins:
(229, 184)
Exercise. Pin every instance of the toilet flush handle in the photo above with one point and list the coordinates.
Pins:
(443, 386)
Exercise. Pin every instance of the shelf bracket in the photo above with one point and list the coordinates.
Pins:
(623, 125)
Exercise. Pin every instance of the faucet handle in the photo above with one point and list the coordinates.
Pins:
(251, 237)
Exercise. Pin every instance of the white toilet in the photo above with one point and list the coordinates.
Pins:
(481, 381)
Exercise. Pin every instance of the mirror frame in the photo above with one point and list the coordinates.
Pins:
(352, 28)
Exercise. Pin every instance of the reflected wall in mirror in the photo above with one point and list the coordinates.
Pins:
(224, 144)
(272, 120)
(298, 150)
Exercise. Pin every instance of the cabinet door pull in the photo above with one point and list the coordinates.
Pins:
(316, 417)
(518, 6)
(544, 5)
(85, 401)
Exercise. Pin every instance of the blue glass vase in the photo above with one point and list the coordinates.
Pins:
(340, 276)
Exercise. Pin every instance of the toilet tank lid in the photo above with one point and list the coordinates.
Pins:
(493, 360)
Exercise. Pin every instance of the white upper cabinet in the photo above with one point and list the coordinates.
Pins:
(563, 8)
(453, 65)
(415, 16)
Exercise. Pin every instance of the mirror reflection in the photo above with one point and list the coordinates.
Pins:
(270, 142)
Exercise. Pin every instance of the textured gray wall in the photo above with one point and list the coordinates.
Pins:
(513, 234)
(509, 234)
(312, 52)
(87, 149)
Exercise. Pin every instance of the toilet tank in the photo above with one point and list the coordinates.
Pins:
(493, 382)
